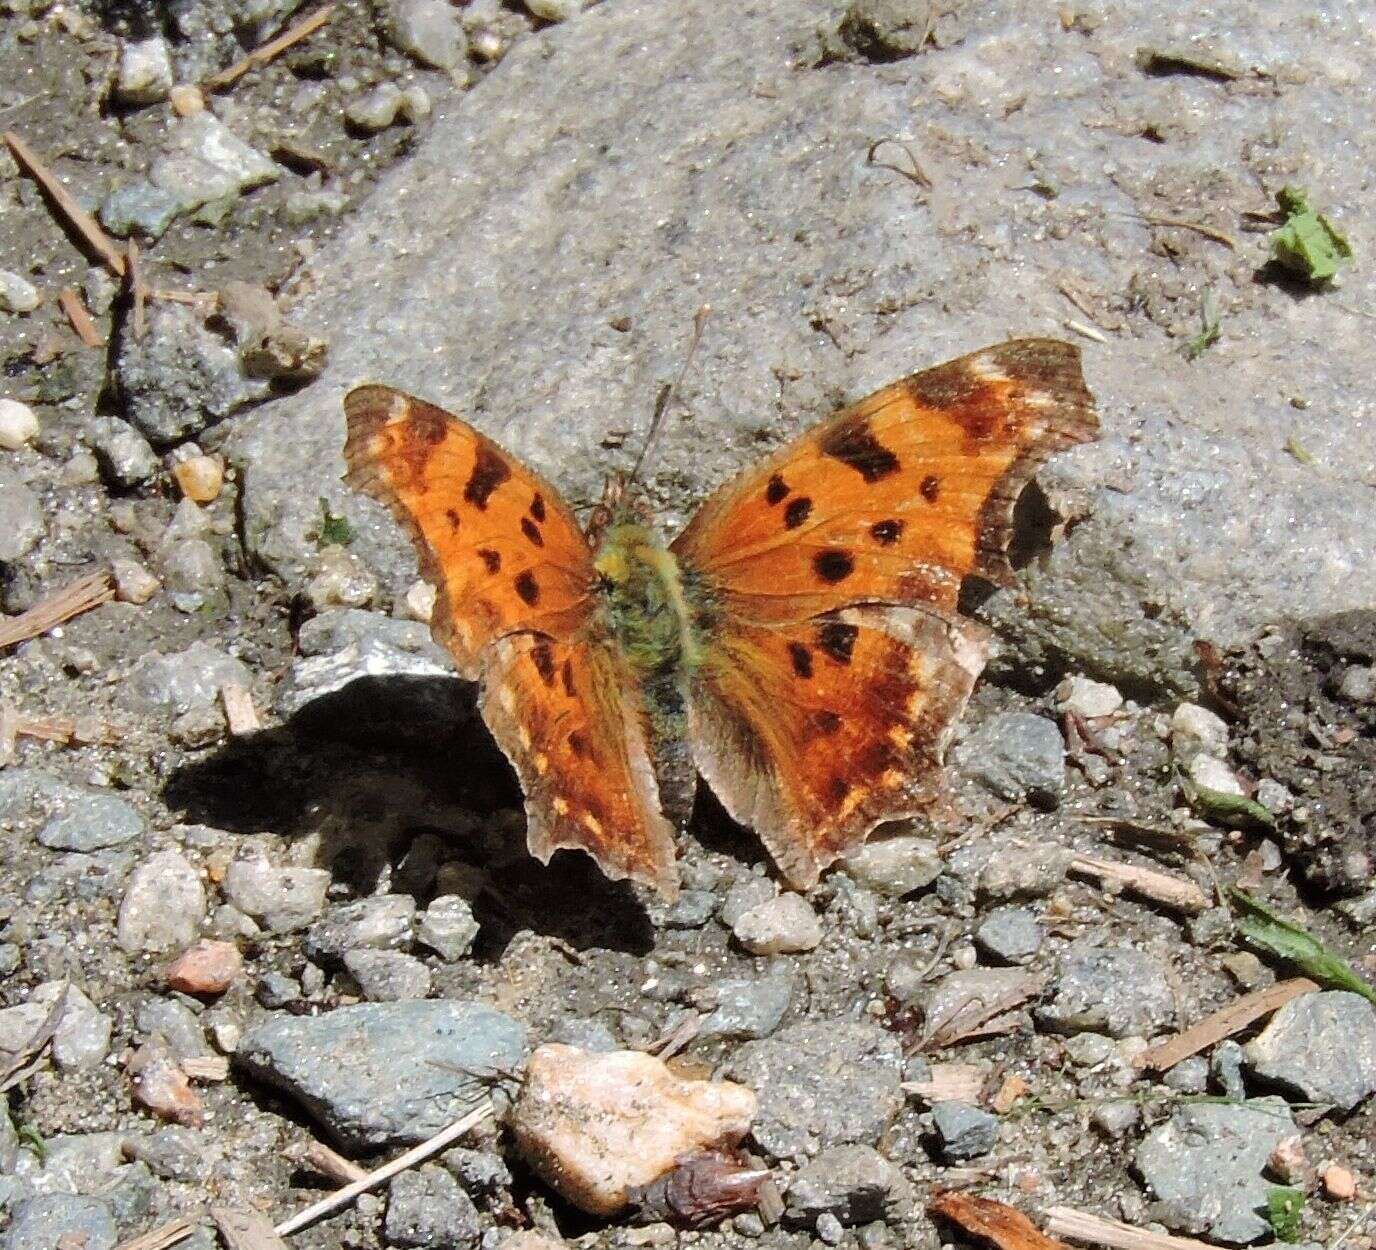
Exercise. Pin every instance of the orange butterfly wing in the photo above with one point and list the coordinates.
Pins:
(516, 607)
(898, 497)
(833, 571)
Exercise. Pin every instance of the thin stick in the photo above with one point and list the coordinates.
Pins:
(1097, 336)
(81, 320)
(70, 601)
(413, 1156)
(80, 220)
(194, 298)
(670, 392)
(1177, 893)
(138, 293)
(264, 53)
(331, 1163)
(1231, 1019)
(1178, 223)
(1081, 1226)
(161, 1237)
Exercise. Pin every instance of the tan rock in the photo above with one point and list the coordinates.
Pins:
(206, 968)
(594, 1125)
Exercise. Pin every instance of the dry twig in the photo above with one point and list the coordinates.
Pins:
(1228, 1020)
(64, 729)
(1178, 223)
(332, 1164)
(161, 1237)
(81, 596)
(1177, 893)
(993, 1222)
(71, 304)
(914, 173)
(388, 1170)
(1081, 1226)
(138, 291)
(264, 53)
(950, 1082)
(77, 217)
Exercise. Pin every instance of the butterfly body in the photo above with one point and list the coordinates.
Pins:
(798, 644)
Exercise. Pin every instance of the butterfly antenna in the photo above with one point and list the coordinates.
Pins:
(668, 393)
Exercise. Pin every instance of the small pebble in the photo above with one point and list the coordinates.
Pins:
(556, 10)
(1290, 1164)
(163, 906)
(206, 968)
(17, 294)
(419, 603)
(133, 582)
(1009, 935)
(1090, 699)
(1195, 729)
(341, 580)
(429, 32)
(375, 111)
(200, 478)
(145, 71)
(18, 424)
(162, 1087)
(1214, 774)
(895, 866)
(1339, 1182)
(282, 899)
(781, 926)
(964, 1131)
(125, 456)
(186, 100)
(388, 976)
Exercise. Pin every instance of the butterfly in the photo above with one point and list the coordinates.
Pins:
(798, 644)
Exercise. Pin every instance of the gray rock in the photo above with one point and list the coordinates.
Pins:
(139, 207)
(164, 905)
(691, 910)
(384, 922)
(783, 925)
(822, 1083)
(124, 455)
(427, 1208)
(1225, 1065)
(1023, 872)
(17, 295)
(191, 182)
(895, 866)
(964, 1131)
(277, 990)
(377, 109)
(181, 376)
(76, 818)
(206, 138)
(953, 997)
(429, 31)
(302, 206)
(1189, 1076)
(585, 1034)
(749, 1008)
(21, 518)
(70, 1161)
(184, 680)
(383, 1074)
(854, 1184)
(145, 71)
(388, 976)
(1190, 454)
(1321, 1047)
(747, 892)
(478, 1171)
(193, 573)
(1114, 990)
(1116, 1118)
(1207, 1163)
(372, 677)
(43, 1221)
(447, 927)
(173, 1022)
(9, 1145)
(174, 1153)
(281, 899)
(82, 1038)
(1016, 756)
(1009, 935)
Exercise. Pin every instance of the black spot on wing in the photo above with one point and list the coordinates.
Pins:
(528, 588)
(797, 512)
(837, 639)
(833, 565)
(776, 490)
(838, 789)
(886, 533)
(453, 518)
(532, 531)
(491, 558)
(537, 507)
(567, 674)
(489, 472)
(930, 488)
(826, 722)
(853, 443)
(802, 659)
(543, 657)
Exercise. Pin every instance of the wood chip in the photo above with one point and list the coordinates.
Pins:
(1178, 893)
(950, 1082)
(1222, 1023)
(77, 217)
(982, 1017)
(1097, 1231)
(993, 1222)
(245, 1230)
(72, 304)
(331, 1164)
(240, 713)
(161, 1237)
(206, 1067)
(81, 596)
(66, 730)
(264, 53)
(415, 1155)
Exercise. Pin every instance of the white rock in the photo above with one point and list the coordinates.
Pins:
(419, 604)
(556, 10)
(595, 1124)
(18, 424)
(163, 905)
(781, 926)
(429, 31)
(1214, 774)
(133, 582)
(17, 295)
(1087, 698)
(282, 899)
(1195, 729)
(145, 71)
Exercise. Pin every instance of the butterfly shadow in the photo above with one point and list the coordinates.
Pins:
(395, 786)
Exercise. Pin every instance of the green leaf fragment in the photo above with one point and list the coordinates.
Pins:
(1307, 244)
(334, 530)
(1270, 933)
(1232, 811)
(1209, 328)
(1284, 1206)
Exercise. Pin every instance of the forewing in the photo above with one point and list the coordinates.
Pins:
(565, 713)
(898, 497)
(811, 733)
(502, 549)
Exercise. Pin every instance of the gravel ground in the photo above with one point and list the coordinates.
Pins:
(327, 928)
